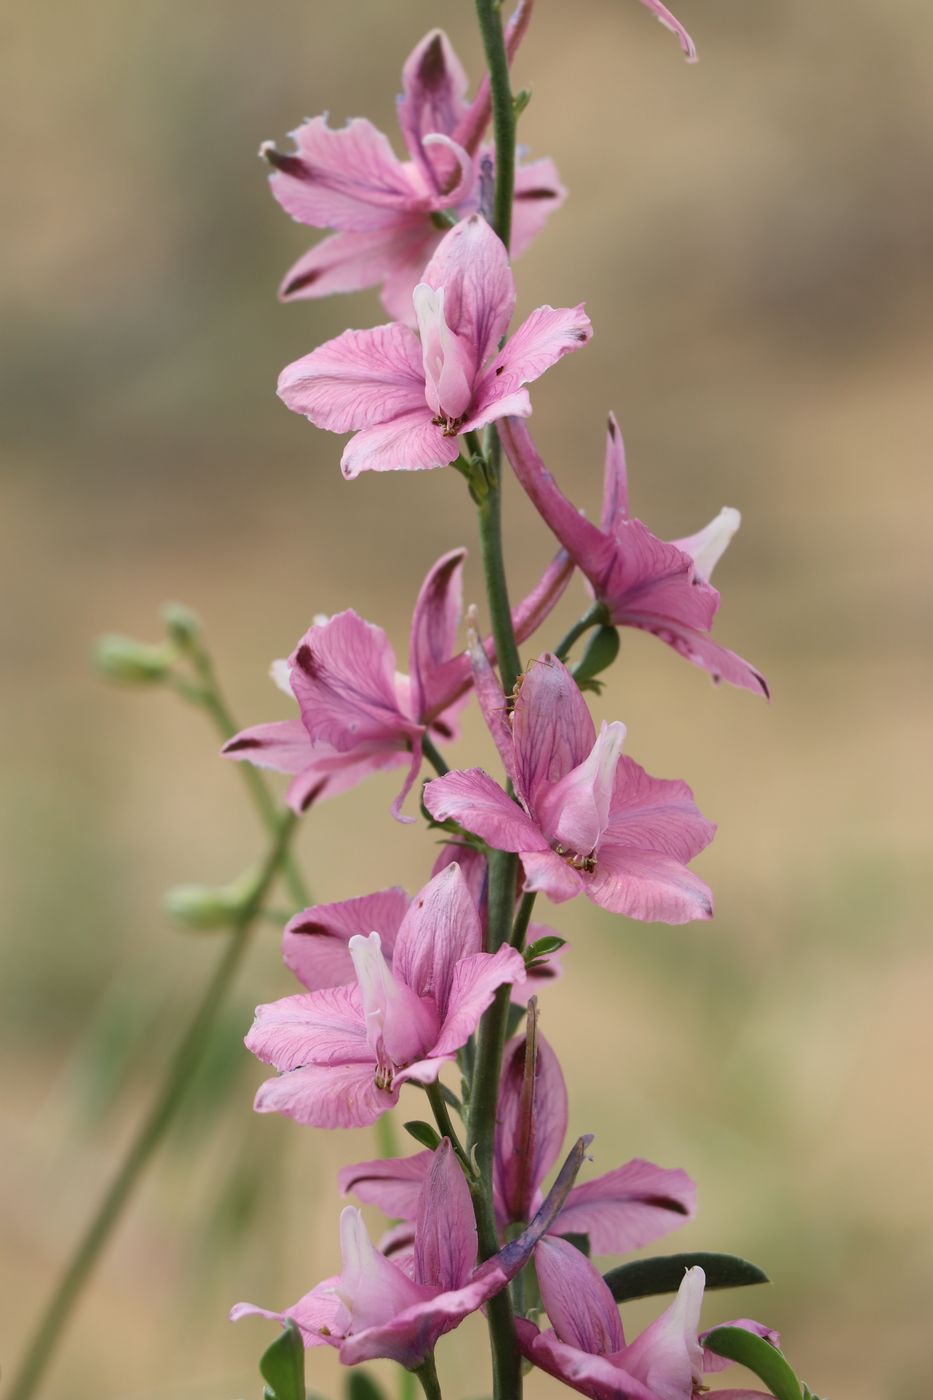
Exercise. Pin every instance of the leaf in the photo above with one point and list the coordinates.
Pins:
(543, 946)
(768, 1364)
(361, 1386)
(664, 1274)
(580, 1242)
(282, 1366)
(423, 1133)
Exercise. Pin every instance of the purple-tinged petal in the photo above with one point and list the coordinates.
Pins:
(647, 886)
(472, 266)
(578, 1302)
(662, 13)
(490, 408)
(315, 1315)
(648, 575)
(314, 944)
(400, 1025)
(441, 927)
(722, 665)
(409, 443)
(473, 868)
(331, 772)
(348, 262)
(631, 1206)
(714, 1362)
(372, 1288)
(594, 1376)
(343, 676)
(414, 768)
(327, 1096)
(491, 699)
(615, 480)
(434, 89)
(656, 814)
(538, 194)
(551, 726)
(445, 1231)
(708, 545)
(522, 1157)
(393, 1184)
(575, 812)
(475, 982)
(324, 1027)
(667, 1356)
(283, 745)
(539, 342)
(434, 628)
(548, 873)
(348, 178)
(479, 804)
(361, 379)
(412, 1334)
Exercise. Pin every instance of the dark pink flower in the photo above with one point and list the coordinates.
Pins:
(587, 820)
(344, 1052)
(374, 1308)
(660, 587)
(406, 399)
(350, 179)
(585, 1346)
(358, 713)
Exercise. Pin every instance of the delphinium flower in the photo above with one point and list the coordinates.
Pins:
(385, 209)
(358, 714)
(408, 399)
(657, 586)
(585, 1346)
(344, 1052)
(587, 820)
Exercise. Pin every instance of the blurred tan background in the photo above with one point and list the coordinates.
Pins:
(752, 237)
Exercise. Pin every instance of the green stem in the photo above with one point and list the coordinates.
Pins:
(489, 511)
(427, 1375)
(503, 114)
(181, 1069)
(596, 617)
(445, 1125)
(433, 757)
(522, 920)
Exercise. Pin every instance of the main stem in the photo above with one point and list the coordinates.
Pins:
(47, 1334)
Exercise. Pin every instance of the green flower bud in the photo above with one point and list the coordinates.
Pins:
(130, 662)
(203, 906)
(182, 625)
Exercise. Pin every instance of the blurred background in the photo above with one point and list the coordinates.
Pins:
(752, 237)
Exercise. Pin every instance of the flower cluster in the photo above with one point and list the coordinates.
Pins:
(396, 989)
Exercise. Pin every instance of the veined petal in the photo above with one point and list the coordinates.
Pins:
(393, 1184)
(656, 814)
(314, 944)
(358, 380)
(548, 873)
(578, 1302)
(574, 813)
(434, 628)
(409, 443)
(445, 1232)
(539, 342)
(523, 1159)
(447, 358)
(315, 1315)
(331, 772)
(667, 1355)
(551, 727)
(372, 1289)
(595, 1376)
(492, 701)
(399, 1023)
(646, 885)
(324, 1027)
(475, 981)
(491, 408)
(479, 804)
(440, 928)
(434, 91)
(343, 676)
(327, 1096)
(626, 1208)
(472, 266)
(693, 645)
(708, 545)
(347, 262)
(284, 746)
(538, 194)
(662, 13)
(615, 479)
(348, 178)
(412, 1334)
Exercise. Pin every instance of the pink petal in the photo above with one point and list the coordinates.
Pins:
(343, 676)
(324, 1027)
(547, 873)
(479, 804)
(434, 628)
(284, 745)
(372, 1288)
(445, 1232)
(594, 1376)
(647, 886)
(473, 868)
(667, 1356)
(708, 545)
(538, 194)
(359, 380)
(479, 291)
(314, 1314)
(409, 443)
(521, 1160)
(491, 408)
(492, 701)
(327, 1096)
(440, 928)
(434, 100)
(574, 813)
(393, 1184)
(347, 262)
(331, 772)
(476, 980)
(539, 342)
(656, 814)
(722, 665)
(631, 1206)
(615, 480)
(349, 178)
(581, 1308)
(314, 945)
(650, 576)
(409, 1337)
(662, 13)
(551, 727)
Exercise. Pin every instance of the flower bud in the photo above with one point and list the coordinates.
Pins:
(203, 906)
(182, 625)
(602, 651)
(130, 662)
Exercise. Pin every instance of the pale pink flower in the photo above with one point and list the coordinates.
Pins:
(585, 1346)
(344, 1052)
(406, 399)
(375, 1308)
(350, 179)
(587, 820)
(657, 586)
(358, 714)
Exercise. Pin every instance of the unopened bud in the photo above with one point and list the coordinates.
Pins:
(599, 656)
(182, 625)
(203, 906)
(520, 101)
(130, 662)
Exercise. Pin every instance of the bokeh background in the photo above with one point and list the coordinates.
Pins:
(752, 237)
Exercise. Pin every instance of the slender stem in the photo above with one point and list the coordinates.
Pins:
(433, 757)
(181, 1069)
(596, 617)
(522, 920)
(497, 592)
(427, 1375)
(445, 1125)
(503, 114)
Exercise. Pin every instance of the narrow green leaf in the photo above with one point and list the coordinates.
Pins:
(282, 1366)
(768, 1364)
(450, 1098)
(542, 946)
(423, 1133)
(581, 1242)
(664, 1274)
(361, 1386)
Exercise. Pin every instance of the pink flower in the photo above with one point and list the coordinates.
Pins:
(619, 1211)
(350, 179)
(585, 1346)
(374, 1308)
(407, 400)
(587, 820)
(662, 588)
(344, 1052)
(358, 714)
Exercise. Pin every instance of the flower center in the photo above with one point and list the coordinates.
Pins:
(447, 360)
